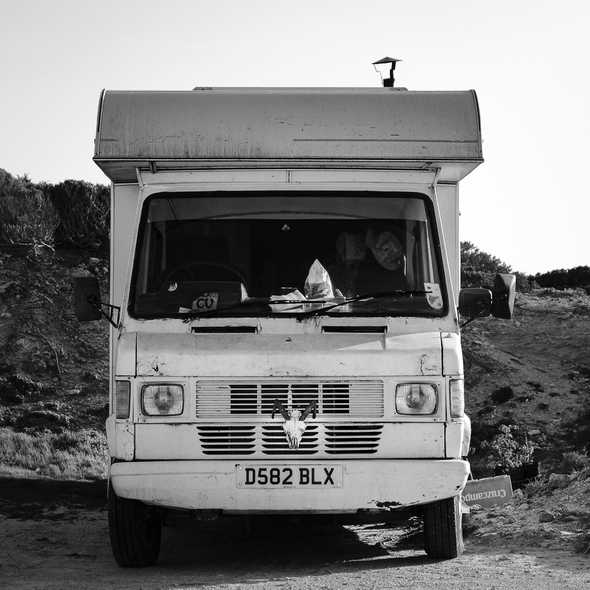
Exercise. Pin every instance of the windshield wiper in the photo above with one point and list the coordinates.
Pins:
(358, 298)
(254, 301)
(251, 302)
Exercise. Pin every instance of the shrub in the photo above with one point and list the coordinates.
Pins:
(574, 461)
(83, 210)
(475, 260)
(26, 216)
(508, 450)
(478, 269)
(578, 276)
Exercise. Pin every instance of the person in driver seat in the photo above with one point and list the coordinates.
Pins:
(372, 263)
(384, 267)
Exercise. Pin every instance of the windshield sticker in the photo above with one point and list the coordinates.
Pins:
(433, 295)
(206, 302)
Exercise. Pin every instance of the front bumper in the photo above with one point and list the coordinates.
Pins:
(366, 485)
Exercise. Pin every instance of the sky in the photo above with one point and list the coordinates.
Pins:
(528, 61)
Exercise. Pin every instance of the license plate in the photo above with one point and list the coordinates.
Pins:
(289, 476)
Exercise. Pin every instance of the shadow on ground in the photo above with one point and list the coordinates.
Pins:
(237, 547)
(34, 499)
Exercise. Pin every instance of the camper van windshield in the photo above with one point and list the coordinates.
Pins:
(267, 254)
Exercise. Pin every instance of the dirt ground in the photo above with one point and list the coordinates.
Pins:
(55, 536)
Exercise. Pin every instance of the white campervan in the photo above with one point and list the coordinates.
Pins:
(284, 291)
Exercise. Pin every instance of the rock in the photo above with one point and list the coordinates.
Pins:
(6, 285)
(558, 480)
(502, 394)
(546, 516)
(518, 494)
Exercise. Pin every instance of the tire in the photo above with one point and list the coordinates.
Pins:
(135, 530)
(443, 532)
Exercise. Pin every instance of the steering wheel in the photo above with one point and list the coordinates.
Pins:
(188, 272)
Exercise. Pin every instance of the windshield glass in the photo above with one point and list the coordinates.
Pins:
(286, 253)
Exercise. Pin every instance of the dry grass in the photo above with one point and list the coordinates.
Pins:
(79, 454)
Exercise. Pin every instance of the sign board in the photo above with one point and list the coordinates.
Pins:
(490, 491)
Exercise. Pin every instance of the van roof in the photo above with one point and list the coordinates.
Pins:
(385, 128)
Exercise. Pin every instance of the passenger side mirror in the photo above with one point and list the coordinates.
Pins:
(86, 298)
(504, 293)
(475, 302)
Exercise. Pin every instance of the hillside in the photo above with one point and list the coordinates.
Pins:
(53, 370)
(531, 374)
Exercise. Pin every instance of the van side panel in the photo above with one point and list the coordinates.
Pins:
(125, 209)
(448, 204)
(124, 199)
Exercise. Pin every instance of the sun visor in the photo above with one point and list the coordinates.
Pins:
(372, 128)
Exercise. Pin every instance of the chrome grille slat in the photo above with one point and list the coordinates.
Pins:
(227, 439)
(352, 438)
(270, 440)
(252, 397)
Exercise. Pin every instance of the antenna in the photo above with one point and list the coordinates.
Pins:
(390, 81)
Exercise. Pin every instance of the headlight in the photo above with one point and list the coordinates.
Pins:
(415, 398)
(162, 399)
(457, 398)
(122, 391)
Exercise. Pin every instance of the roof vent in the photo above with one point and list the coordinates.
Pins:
(381, 68)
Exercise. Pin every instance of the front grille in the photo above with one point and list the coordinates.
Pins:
(227, 439)
(342, 439)
(270, 439)
(219, 399)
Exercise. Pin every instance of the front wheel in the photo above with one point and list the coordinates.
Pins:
(135, 530)
(443, 533)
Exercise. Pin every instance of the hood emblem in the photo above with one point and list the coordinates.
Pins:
(294, 425)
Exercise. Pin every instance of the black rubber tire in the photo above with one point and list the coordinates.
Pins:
(443, 530)
(135, 530)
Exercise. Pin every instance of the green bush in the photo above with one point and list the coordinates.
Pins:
(478, 269)
(509, 449)
(574, 461)
(72, 213)
(578, 276)
(26, 216)
(475, 260)
(84, 213)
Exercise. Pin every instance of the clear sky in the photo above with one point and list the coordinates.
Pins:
(528, 60)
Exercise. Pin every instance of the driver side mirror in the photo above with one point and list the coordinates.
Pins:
(478, 302)
(86, 298)
(475, 302)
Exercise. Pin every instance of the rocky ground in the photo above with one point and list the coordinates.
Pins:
(531, 375)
